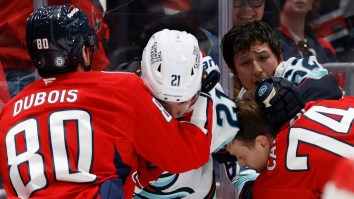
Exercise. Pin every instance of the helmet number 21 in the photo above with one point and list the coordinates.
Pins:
(175, 80)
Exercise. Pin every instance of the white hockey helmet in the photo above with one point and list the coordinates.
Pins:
(171, 66)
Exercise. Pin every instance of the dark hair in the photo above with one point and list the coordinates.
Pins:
(239, 40)
(252, 121)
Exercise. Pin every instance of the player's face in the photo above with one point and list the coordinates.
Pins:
(179, 109)
(255, 156)
(297, 8)
(245, 11)
(255, 65)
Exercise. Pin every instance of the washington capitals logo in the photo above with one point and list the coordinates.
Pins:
(96, 21)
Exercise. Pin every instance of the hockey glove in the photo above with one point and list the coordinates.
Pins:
(211, 74)
(281, 100)
(146, 175)
(244, 182)
(242, 178)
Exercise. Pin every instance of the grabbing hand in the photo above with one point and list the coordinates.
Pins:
(211, 74)
(147, 174)
(281, 100)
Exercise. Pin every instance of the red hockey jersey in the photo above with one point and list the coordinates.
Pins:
(63, 136)
(303, 156)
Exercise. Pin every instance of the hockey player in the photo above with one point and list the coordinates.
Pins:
(76, 134)
(169, 71)
(253, 53)
(297, 159)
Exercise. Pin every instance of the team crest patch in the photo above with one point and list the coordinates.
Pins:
(262, 90)
(59, 61)
(155, 54)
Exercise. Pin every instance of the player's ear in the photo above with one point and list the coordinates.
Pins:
(262, 141)
(281, 57)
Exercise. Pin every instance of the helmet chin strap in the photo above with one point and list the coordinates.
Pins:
(87, 67)
(87, 58)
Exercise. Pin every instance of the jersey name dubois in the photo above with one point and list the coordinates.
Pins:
(40, 98)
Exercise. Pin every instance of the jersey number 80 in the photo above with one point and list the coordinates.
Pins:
(34, 159)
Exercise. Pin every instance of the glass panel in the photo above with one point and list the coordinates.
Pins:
(124, 27)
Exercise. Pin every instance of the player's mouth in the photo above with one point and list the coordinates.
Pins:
(258, 82)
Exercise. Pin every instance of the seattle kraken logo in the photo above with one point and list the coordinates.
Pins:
(262, 90)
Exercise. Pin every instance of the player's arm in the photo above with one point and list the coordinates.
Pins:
(297, 69)
(224, 123)
(313, 81)
(326, 87)
(211, 74)
(173, 146)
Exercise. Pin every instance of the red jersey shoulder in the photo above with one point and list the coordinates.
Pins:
(121, 79)
(341, 103)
